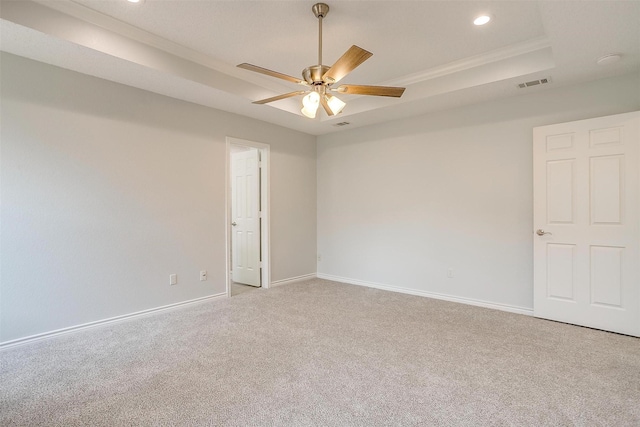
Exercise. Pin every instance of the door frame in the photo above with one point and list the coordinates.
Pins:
(265, 246)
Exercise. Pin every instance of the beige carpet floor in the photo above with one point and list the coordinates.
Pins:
(239, 288)
(321, 353)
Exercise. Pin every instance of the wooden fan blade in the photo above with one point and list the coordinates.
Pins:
(271, 73)
(323, 102)
(395, 92)
(276, 98)
(346, 64)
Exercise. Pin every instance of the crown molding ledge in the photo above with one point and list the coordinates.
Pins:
(464, 64)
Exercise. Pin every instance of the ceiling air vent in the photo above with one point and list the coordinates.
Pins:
(535, 83)
(342, 124)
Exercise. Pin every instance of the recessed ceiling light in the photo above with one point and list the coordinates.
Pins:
(135, 1)
(609, 59)
(482, 19)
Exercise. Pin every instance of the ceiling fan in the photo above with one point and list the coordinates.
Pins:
(319, 79)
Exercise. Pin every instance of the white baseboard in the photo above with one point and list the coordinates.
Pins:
(462, 300)
(293, 280)
(57, 332)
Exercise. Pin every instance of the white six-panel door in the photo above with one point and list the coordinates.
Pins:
(586, 202)
(245, 215)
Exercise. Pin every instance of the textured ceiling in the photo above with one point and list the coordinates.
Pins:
(189, 49)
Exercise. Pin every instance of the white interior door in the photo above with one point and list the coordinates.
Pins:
(586, 201)
(245, 216)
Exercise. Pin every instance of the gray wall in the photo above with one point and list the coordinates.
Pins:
(402, 202)
(107, 189)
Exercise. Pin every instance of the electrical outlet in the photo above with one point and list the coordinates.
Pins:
(319, 257)
(173, 279)
(203, 275)
(450, 273)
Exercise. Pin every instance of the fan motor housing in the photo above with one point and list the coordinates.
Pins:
(313, 75)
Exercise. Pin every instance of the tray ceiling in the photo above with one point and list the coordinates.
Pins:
(188, 49)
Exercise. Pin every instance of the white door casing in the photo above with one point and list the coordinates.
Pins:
(586, 200)
(245, 216)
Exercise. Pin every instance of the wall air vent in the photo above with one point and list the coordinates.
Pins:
(535, 83)
(342, 124)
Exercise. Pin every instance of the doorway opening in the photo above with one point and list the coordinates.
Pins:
(247, 209)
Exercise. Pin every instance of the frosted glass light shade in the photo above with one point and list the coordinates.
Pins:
(310, 105)
(335, 104)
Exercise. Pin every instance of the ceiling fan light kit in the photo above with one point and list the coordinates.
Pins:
(318, 79)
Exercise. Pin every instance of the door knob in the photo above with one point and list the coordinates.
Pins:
(541, 232)
(234, 223)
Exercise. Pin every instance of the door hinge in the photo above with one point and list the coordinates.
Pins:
(260, 264)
